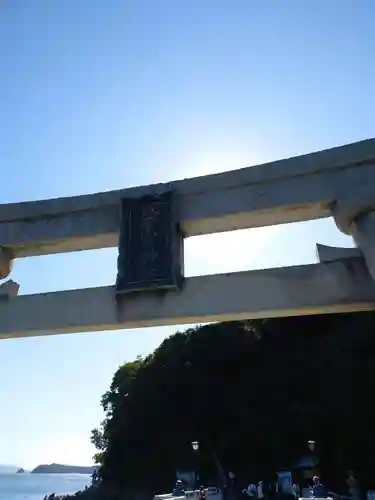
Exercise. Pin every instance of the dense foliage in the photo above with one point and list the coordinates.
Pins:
(252, 392)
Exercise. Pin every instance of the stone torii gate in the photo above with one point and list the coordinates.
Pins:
(149, 225)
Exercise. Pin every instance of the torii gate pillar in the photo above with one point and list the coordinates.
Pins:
(363, 233)
(355, 216)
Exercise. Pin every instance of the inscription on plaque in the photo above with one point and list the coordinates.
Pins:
(150, 245)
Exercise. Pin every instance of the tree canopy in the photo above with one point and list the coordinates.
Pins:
(252, 392)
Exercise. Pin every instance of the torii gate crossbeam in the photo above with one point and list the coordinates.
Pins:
(292, 190)
(291, 291)
(339, 182)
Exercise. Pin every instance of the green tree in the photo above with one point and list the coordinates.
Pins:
(251, 392)
(114, 404)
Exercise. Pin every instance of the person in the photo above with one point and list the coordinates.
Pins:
(260, 492)
(178, 490)
(245, 495)
(296, 491)
(318, 490)
(202, 494)
(266, 490)
(354, 487)
(252, 490)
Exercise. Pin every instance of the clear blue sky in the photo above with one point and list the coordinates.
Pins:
(104, 94)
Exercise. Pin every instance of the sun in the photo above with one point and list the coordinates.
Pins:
(214, 162)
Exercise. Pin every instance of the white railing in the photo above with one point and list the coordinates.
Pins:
(166, 496)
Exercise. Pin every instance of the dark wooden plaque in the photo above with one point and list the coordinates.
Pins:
(150, 245)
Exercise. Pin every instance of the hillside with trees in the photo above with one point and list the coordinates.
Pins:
(253, 392)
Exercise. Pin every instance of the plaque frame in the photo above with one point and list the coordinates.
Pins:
(150, 245)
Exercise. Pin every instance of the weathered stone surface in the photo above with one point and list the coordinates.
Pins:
(363, 232)
(330, 254)
(313, 289)
(6, 262)
(295, 189)
(355, 216)
(9, 289)
(307, 187)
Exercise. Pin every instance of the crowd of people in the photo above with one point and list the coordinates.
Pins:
(266, 491)
(270, 491)
(317, 489)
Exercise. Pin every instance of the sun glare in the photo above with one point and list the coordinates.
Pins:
(216, 162)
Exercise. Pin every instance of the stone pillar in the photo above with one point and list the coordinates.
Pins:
(6, 261)
(357, 218)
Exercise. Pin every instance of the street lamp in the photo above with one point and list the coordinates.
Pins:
(314, 456)
(195, 445)
(219, 467)
(311, 445)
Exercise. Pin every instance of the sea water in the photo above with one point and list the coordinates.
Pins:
(34, 486)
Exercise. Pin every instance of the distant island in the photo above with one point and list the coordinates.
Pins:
(62, 469)
(20, 471)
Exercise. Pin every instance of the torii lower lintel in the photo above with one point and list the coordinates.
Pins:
(341, 286)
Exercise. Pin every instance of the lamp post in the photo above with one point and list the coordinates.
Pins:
(219, 468)
(314, 456)
(195, 446)
(311, 445)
